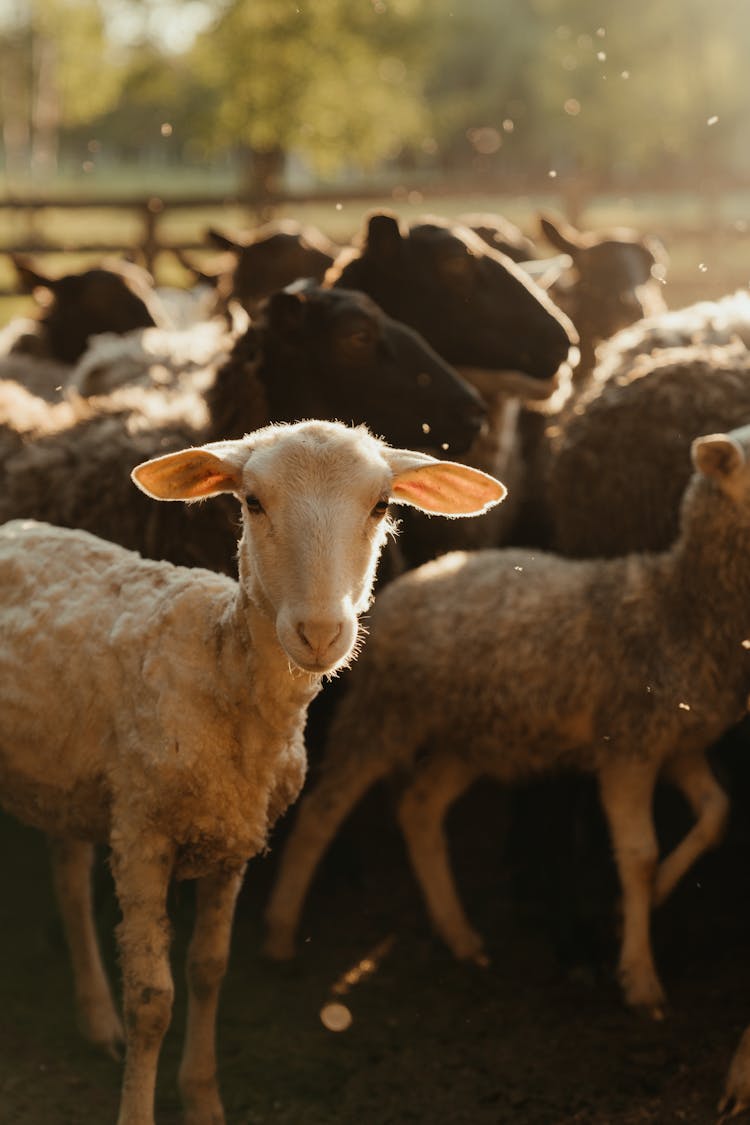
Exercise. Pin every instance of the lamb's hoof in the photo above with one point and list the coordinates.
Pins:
(644, 995)
(656, 1011)
(101, 1026)
(114, 1047)
(202, 1105)
(470, 947)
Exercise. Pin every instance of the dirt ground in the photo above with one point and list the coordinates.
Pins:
(538, 1038)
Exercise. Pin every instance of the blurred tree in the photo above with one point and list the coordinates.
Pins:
(590, 88)
(580, 89)
(623, 87)
(336, 82)
(479, 81)
(56, 69)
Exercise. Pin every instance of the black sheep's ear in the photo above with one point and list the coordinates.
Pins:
(28, 276)
(383, 235)
(563, 236)
(222, 241)
(286, 311)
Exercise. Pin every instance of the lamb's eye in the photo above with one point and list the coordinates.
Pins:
(254, 505)
(380, 509)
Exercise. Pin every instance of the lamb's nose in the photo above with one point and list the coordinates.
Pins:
(319, 636)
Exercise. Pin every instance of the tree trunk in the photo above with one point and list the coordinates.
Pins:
(45, 110)
(261, 179)
(15, 114)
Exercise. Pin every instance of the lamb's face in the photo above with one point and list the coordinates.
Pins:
(315, 522)
(315, 504)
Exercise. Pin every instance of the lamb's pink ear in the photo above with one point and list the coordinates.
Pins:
(191, 474)
(444, 488)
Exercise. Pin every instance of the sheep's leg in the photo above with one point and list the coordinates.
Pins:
(319, 814)
(692, 774)
(207, 958)
(142, 869)
(627, 790)
(421, 812)
(736, 1097)
(71, 873)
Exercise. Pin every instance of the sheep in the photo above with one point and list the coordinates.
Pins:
(629, 442)
(40, 376)
(481, 312)
(512, 663)
(113, 297)
(270, 258)
(473, 305)
(614, 466)
(615, 279)
(315, 351)
(178, 737)
(684, 371)
(719, 322)
(165, 358)
(312, 353)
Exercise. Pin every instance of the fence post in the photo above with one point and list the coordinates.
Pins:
(150, 244)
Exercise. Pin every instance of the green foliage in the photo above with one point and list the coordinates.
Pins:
(86, 70)
(598, 87)
(637, 85)
(328, 78)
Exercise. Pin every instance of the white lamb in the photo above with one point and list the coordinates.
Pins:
(513, 663)
(160, 709)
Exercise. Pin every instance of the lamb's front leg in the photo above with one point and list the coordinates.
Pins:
(627, 791)
(71, 872)
(207, 958)
(142, 866)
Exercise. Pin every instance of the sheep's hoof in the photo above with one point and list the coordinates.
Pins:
(643, 994)
(470, 947)
(655, 1012)
(736, 1099)
(731, 1106)
(101, 1025)
(727, 1107)
(202, 1104)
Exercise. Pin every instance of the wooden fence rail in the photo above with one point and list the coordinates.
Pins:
(28, 236)
(150, 212)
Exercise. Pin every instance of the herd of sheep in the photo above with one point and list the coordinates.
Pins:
(596, 619)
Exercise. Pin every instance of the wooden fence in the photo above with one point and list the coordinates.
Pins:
(28, 234)
(151, 212)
